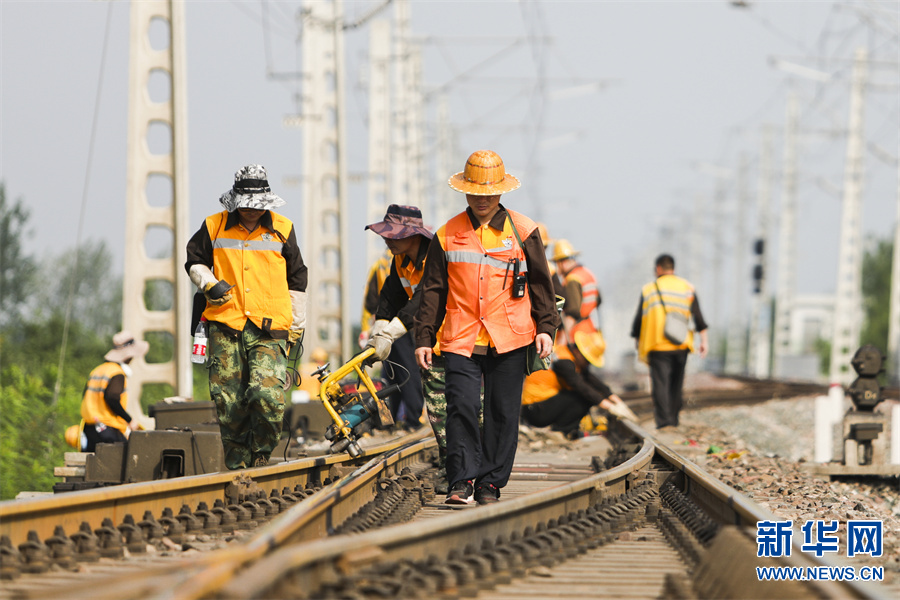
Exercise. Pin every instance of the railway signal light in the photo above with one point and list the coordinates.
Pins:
(865, 391)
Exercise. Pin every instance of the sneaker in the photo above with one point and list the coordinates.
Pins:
(487, 493)
(460, 493)
(260, 461)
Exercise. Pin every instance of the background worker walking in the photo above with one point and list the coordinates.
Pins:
(581, 291)
(106, 395)
(378, 272)
(407, 239)
(246, 262)
(475, 284)
(667, 357)
(562, 395)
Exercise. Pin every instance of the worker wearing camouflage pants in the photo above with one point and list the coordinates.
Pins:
(251, 413)
(433, 384)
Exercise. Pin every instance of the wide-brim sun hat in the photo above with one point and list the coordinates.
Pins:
(251, 190)
(591, 345)
(484, 175)
(401, 222)
(125, 346)
(563, 249)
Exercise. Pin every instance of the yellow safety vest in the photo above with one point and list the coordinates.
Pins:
(93, 407)
(678, 296)
(253, 262)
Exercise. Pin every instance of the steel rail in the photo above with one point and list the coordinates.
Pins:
(43, 514)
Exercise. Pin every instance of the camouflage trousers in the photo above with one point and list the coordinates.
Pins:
(247, 373)
(433, 384)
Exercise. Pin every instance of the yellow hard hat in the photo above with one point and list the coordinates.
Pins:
(73, 436)
(545, 236)
(592, 346)
(563, 249)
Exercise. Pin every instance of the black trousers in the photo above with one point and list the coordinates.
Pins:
(410, 395)
(563, 412)
(483, 454)
(667, 381)
(108, 435)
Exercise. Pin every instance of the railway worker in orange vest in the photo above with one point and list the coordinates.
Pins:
(407, 239)
(668, 293)
(562, 395)
(580, 291)
(247, 263)
(103, 408)
(547, 240)
(487, 280)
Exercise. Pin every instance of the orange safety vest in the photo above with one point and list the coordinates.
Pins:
(253, 262)
(93, 407)
(409, 275)
(544, 384)
(590, 292)
(678, 296)
(380, 270)
(480, 277)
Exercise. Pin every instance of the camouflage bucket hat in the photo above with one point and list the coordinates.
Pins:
(401, 222)
(251, 190)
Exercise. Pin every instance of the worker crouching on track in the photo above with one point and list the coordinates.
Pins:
(475, 284)
(103, 408)
(562, 395)
(247, 263)
(405, 235)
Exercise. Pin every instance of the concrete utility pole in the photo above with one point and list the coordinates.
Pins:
(325, 178)
(406, 151)
(443, 195)
(787, 240)
(735, 358)
(140, 215)
(894, 318)
(848, 301)
(759, 326)
(379, 132)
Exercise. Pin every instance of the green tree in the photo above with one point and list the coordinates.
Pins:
(17, 271)
(876, 292)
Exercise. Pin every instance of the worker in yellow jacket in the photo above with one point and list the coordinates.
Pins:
(103, 407)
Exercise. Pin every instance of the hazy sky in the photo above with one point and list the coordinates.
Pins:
(687, 87)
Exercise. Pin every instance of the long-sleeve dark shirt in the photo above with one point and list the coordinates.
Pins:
(112, 395)
(435, 280)
(393, 300)
(584, 383)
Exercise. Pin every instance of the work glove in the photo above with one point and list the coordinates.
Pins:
(620, 409)
(298, 313)
(383, 336)
(216, 291)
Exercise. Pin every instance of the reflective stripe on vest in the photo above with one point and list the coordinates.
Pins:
(253, 262)
(93, 406)
(678, 296)
(480, 277)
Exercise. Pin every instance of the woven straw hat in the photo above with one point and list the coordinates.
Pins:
(591, 345)
(563, 249)
(125, 347)
(484, 175)
(545, 236)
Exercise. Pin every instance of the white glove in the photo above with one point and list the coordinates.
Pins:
(621, 410)
(377, 327)
(216, 292)
(383, 337)
(298, 309)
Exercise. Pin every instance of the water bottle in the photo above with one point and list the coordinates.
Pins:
(198, 356)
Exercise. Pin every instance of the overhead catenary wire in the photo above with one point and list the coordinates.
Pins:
(84, 198)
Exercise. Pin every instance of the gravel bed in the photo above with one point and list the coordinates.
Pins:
(760, 451)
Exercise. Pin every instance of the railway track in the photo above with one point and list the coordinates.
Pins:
(568, 526)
